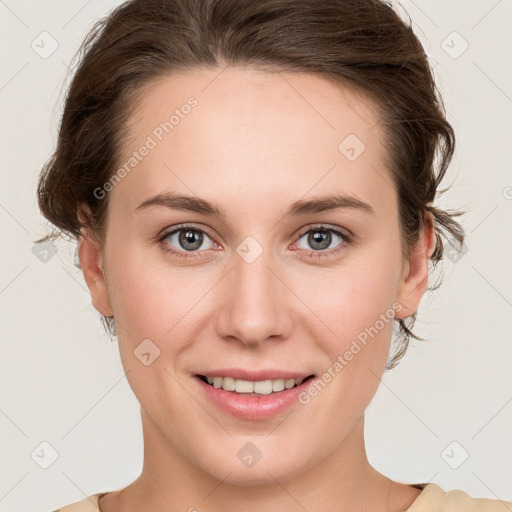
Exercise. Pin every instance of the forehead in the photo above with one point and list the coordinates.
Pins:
(251, 131)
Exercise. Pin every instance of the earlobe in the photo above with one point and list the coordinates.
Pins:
(91, 261)
(415, 277)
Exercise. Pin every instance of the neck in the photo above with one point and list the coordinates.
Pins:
(343, 480)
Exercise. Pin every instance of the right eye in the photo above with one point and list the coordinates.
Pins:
(185, 241)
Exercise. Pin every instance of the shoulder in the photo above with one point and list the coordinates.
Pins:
(459, 500)
(434, 498)
(89, 504)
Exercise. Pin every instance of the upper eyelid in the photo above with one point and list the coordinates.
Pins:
(181, 227)
(324, 227)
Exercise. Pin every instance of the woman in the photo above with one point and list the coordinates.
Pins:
(251, 185)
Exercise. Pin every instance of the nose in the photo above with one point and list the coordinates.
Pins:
(256, 304)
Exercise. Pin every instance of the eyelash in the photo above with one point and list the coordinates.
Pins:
(347, 240)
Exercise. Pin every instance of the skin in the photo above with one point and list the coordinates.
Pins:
(256, 142)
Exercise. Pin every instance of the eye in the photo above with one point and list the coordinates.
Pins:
(322, 240)
(189, 241)
(185, 241)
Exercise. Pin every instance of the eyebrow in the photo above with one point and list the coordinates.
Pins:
(300, 207)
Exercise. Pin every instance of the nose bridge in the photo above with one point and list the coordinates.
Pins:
(254, 306)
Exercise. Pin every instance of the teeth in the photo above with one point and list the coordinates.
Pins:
(278, 385)
(228, 384)
(242, 386)
(262, 387)
(289, 383)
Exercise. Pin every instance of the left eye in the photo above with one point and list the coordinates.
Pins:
(321, 238)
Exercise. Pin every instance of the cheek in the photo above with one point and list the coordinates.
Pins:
(151, 302)
(152, 299)
(357, 310)
(351, 300)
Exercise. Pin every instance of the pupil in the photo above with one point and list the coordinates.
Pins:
(321, 237)
(191, 237)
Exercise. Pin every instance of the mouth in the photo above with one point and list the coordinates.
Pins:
(254, 388)
(253, 400)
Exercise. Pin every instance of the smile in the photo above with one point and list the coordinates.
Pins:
(261, 387)
(252, 400)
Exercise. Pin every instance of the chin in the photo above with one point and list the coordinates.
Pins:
(249, 466)
(258, 475)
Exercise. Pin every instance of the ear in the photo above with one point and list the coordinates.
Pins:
(414, 279)
(91, 261)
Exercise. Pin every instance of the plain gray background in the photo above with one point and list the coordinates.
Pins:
(62, 382)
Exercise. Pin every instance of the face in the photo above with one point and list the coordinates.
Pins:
(271, 286)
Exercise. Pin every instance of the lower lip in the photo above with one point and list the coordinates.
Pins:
(253, 407)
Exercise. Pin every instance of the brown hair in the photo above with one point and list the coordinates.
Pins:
(360, 44)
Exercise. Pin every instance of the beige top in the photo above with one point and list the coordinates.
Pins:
(432, 499)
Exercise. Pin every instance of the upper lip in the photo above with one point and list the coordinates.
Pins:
(251, 375)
